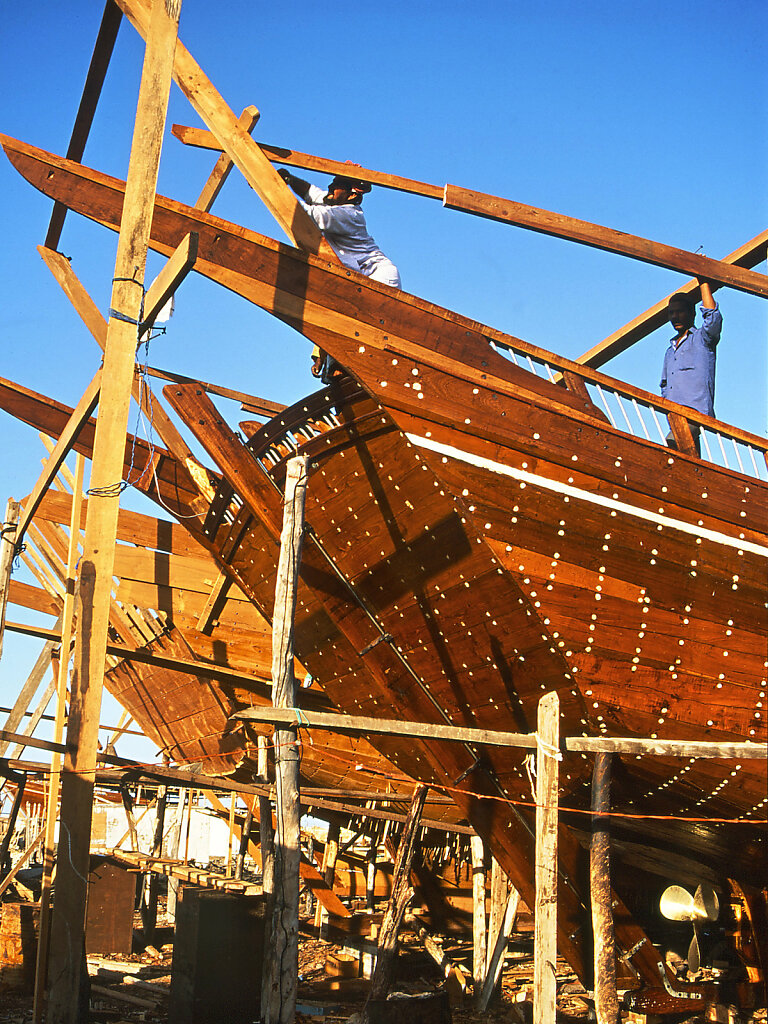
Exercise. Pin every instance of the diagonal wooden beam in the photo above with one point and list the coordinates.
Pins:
(236, 142)
(599, 237)
(247, 121)
(81, 413)
(747, 255)
(91, 316)
(102, 52)
(496, 208)
(203, 139)
(179, 264)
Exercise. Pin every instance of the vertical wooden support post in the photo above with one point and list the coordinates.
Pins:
(267, 846)
(504, 903)
(545, 931)
(330, 854)
(232, 806)
(285, 954)
(370, 873)
(125, 796)
(149, 909)
(400, 897)
(173, 853)
(499, 886)
(498, 950)
(478, 915)
(66, 998)
(606, 996)
(52, 806)
(7, 548)
(245, 836)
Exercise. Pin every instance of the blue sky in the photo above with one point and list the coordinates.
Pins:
(647, 117)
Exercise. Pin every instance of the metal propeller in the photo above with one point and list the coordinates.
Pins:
(677, 904)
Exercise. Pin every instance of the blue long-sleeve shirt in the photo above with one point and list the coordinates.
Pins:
(688, 376)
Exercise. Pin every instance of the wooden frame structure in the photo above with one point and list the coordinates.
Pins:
(478, 535)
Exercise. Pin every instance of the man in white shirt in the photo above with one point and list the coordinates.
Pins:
(339, 216)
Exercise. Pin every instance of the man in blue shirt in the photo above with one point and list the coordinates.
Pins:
(688, 376)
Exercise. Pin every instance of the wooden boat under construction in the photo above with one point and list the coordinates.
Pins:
(481, 532)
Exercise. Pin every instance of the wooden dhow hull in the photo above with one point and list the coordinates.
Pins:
(511, 542)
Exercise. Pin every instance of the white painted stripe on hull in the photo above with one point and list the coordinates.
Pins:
(581, 495)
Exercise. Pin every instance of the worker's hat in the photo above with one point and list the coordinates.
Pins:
(350, 184)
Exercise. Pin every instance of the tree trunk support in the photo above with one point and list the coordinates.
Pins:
(545, 931)
(606, 997)
(285, 949)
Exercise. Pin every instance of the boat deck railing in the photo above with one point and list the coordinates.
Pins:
(644, 415)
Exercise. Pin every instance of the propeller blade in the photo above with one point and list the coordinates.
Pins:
(694, 954)
(677, 904)
(706, 903)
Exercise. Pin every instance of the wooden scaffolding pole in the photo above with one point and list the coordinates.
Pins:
(65, 1003)
(479, 934)
(285, 934)
(7, 550)
(52, 808)
(545, 927)
(606, 997)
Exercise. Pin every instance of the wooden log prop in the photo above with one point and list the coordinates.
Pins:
(545, 927)
(606, 998)
(479, 940)
(400, 896)
(285, 916)
(498, 950)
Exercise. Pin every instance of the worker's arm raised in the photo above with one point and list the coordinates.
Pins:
(297, 185)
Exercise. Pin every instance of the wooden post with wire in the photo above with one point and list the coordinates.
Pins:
(52, 807)
(545, 916)
(285, 934)
(67, 995)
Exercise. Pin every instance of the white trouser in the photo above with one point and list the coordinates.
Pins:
(379, 268)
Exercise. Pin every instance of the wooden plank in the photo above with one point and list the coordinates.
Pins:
(360, 725)
(608, 239)
(67, 930)
(247, 121)
(102, 52)
(681, 431)
(747, 255)
(285, 917)
(7, 552)
(203, 139)
(179, 264)
(236, 142)
(606, 997)
(81, 413)
(545, 914)
(35, 598)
